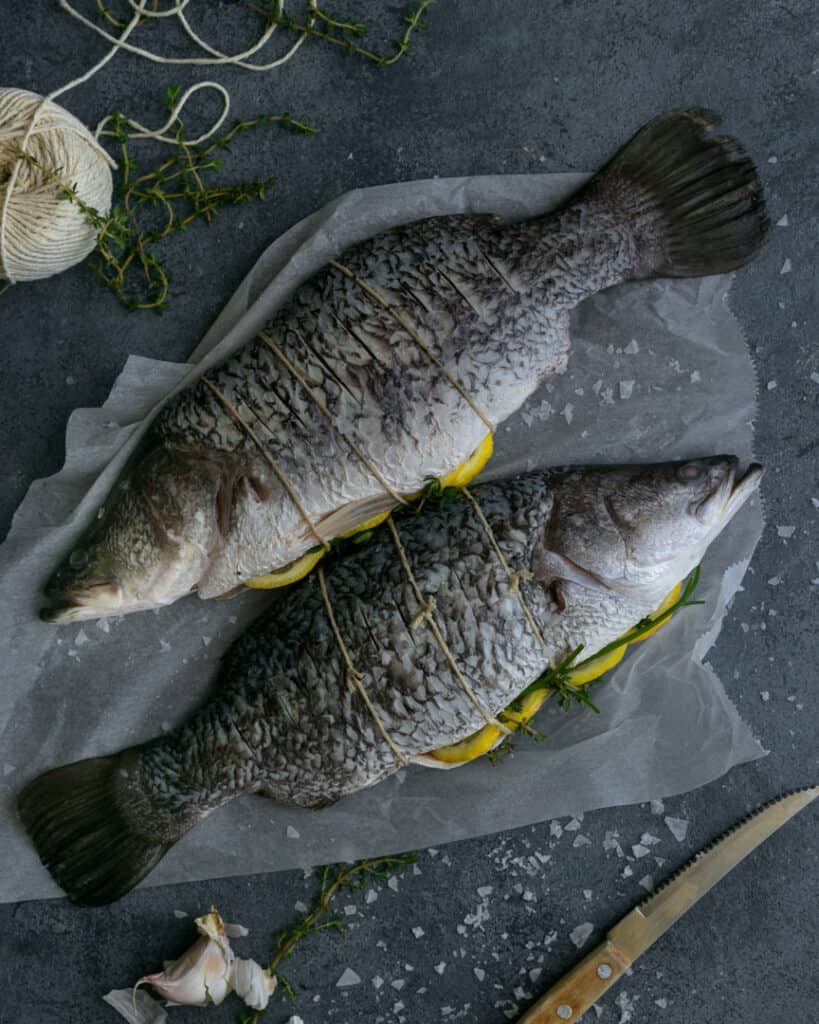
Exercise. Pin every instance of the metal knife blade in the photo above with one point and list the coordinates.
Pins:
(576, 991)
(646, 923)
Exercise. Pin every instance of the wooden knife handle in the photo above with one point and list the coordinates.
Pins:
(576, 991)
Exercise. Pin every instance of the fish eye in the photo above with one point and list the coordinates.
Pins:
(78, 559)
(690, 472)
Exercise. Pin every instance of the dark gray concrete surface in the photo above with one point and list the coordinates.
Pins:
(489, 87)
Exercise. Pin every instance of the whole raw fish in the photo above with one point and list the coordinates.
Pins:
(398, 649)
(392, 365)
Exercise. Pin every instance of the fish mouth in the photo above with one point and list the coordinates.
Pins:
(730, 494)
(81, 603)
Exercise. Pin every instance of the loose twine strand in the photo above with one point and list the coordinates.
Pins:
(142, 12)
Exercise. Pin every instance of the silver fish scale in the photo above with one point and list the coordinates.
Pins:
(491, 301)
(285, 722)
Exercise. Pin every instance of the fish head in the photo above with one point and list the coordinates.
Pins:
(647, 526)
(149, 545)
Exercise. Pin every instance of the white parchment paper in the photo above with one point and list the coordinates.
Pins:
(658, 370)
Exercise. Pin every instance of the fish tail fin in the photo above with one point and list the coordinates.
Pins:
(92, 831)
(692, 199)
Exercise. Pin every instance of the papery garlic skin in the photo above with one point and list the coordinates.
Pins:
(136, 1007)
(252, 983)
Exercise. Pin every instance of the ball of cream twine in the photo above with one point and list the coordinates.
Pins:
(41, 234)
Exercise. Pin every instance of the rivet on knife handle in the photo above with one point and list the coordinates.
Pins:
(576, 991)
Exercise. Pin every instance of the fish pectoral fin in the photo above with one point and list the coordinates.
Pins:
(355, 517)
(550, 568)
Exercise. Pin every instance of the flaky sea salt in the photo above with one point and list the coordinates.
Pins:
(657, 807)
(786, 267)
(418, 932)
(783, 221)
(632, 348)
(785, 532)
(439, 968)
(647, 882)
(479, 973)
(625, 1004)
(611, 843)
(580, 934)
(293, 833)
(678, 827)
(348, 978)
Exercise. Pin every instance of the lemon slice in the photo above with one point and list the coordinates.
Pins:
(289, 574)
(482, 741)
(474, 746)
(664, 606)
(596, 667)
(468, 470)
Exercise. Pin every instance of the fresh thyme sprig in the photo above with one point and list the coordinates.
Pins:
(159, 203)
(333, 879)
(164, 201)
(341, 31)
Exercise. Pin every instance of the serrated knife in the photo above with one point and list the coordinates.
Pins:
(569, 999)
